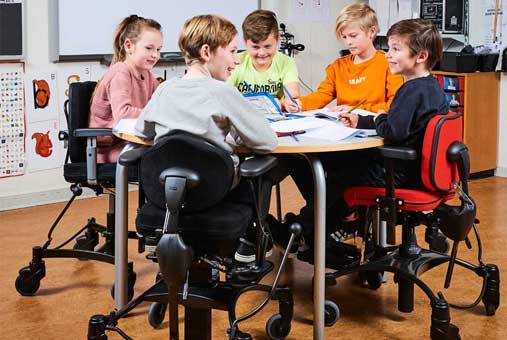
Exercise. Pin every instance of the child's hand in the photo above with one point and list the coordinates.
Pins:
(290, 106)
(340, 108)
(349, 119)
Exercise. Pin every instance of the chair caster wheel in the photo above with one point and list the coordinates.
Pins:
(440, 244)
(491, 297)
(97, 327)
(26, 282)
(131, 283)
(275, 329)
(491, 308)
(331, 313)
(156, 314)
(238, 335)
(374, 279)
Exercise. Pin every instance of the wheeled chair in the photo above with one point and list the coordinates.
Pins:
(81, 170)
(195, 221)
(444, 173)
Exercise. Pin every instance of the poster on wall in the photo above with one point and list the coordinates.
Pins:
(493, 12)
(12, 120)
(43, 149)
(41, 97)
(68, 74)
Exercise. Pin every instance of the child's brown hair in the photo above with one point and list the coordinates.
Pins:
(130, 28)
(358, 13)
(213, 30)
(259, 25)
(421, 35)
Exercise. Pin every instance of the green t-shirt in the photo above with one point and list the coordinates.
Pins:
(283, 70)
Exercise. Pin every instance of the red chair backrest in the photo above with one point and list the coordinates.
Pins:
(437, 172)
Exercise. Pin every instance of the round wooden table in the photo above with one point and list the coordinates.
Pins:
(310, 148)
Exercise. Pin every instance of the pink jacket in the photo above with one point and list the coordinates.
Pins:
(119, 94)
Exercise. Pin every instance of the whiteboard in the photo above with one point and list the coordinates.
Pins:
(85, 29)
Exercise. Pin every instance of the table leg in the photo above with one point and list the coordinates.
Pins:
(121, 234)
(319, 182)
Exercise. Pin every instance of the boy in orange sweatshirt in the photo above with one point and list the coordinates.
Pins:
(363, 75)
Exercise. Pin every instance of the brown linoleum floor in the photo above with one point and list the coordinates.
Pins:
(74, 290)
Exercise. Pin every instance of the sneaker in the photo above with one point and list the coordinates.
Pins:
(246, 251)
(283, 235)
(338, 255)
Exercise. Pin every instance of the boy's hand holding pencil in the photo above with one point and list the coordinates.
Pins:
(292, 104)
(348, 118)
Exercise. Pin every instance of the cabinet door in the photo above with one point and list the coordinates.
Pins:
(481, 119)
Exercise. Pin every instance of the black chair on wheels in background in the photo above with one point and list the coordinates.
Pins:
(195, 224)
(81, 170)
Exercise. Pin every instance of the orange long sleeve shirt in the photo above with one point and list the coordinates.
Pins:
(350, 83)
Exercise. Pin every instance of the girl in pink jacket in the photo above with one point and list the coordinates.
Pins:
(128, 84)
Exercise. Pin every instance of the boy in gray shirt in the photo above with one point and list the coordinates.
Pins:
(202, 104)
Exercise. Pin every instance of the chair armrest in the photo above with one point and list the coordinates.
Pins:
(93, 132)
(133, 156)
(398, 152)
(91, 149)
(256, 166)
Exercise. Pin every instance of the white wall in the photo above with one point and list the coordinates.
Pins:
(43, 186)
(321, 49)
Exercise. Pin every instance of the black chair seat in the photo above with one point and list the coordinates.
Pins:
(224, 221)
(76, 173)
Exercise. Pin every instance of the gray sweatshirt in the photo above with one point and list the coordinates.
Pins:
(208, 108)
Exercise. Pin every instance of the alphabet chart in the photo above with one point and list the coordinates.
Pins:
(12, 120)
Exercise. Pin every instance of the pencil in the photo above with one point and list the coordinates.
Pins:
(248, 86)
(353, 107)
(290, 97)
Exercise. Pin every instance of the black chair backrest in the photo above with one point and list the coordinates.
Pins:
(77, 112)
(184, 150)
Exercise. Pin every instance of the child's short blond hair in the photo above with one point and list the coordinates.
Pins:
(358, 13)
(213, 30)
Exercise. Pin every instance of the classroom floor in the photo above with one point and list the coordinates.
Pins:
(74, 290)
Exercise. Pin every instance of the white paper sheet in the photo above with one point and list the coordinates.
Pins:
(291, 125)
(41, 96)
(126, 126)
(43, 149)
(325, 129)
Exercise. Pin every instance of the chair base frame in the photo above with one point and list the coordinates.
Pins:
(408, 261)
(199, 302)
(29, 278)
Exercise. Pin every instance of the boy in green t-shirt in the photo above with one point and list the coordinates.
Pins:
(263, 68)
